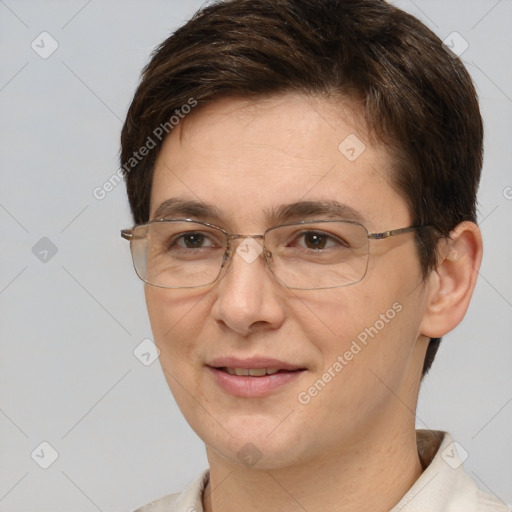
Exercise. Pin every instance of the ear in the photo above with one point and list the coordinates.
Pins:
(452, 283)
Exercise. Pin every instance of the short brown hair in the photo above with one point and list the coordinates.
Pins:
(413, 94)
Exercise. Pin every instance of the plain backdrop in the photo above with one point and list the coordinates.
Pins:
(72, 311)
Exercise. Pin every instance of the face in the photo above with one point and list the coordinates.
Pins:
(349, 358)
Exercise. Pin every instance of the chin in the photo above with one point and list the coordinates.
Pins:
(257, 454)
(256, 442)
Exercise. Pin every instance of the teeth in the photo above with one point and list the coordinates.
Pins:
(258, 372)
(253, 372)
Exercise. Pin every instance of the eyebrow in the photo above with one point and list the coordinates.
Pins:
(187, 208)
(327, 209)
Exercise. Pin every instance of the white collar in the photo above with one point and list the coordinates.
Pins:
(443, 486)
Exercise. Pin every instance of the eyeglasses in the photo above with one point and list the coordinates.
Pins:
(306, 255)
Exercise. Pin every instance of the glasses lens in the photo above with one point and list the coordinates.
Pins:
(315, 255)
(318, 255)
(178, 254)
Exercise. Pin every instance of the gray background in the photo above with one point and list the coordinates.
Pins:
(69, 324)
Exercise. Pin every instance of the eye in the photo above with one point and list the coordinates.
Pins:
(314, 240)
(193, 240)
(318, 240)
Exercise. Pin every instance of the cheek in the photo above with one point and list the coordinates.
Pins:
(177, 320)
(366, 352)
(333, 318)
(176, 323)
(371, 325)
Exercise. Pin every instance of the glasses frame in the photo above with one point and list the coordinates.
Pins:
(128, 234)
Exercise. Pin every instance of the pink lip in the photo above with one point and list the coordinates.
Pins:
(253, 387)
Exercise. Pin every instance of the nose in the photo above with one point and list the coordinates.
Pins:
(248, 297)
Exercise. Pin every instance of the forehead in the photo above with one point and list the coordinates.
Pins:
(249, 158)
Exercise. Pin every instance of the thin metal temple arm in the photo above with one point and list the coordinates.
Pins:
(393, 232)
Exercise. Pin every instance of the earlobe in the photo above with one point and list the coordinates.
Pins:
(453, 281)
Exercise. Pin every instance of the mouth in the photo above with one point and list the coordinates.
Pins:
(255, 377)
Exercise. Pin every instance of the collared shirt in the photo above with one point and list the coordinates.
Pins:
(443, 486)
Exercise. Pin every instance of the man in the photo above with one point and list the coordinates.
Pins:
(303, 175)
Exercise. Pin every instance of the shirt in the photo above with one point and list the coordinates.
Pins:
(444, 485)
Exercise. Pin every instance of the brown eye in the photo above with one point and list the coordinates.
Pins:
(315, 240)
(192, 240)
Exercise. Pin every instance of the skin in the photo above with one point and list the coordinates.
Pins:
(352, 447)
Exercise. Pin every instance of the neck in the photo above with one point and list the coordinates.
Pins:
(373, 475)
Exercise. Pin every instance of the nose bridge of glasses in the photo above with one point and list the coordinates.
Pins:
(249, 247)
(235, 236)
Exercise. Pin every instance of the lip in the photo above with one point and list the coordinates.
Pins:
(253, 387)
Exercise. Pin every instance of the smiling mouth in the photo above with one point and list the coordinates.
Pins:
(263, 379)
